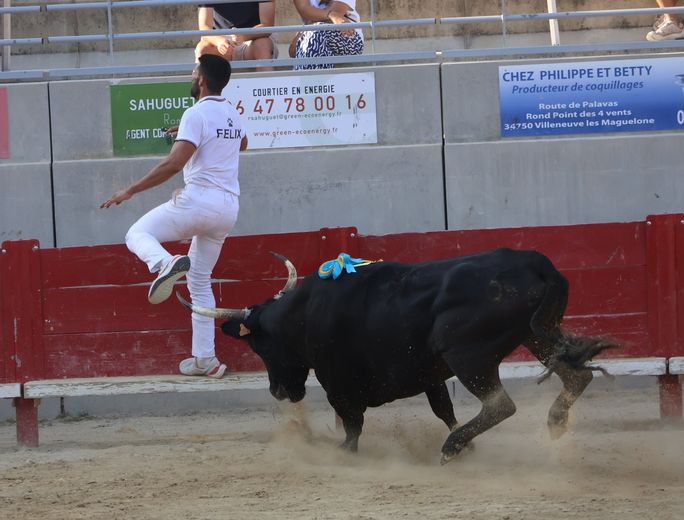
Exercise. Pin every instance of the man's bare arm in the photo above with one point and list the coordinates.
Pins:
(205, 22)
(178, 156)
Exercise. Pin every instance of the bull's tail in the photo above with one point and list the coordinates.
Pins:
(576, 352)
(568, 349)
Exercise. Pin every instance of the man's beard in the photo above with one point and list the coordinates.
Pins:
(195, 90)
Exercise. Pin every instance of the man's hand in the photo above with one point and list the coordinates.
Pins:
(226, 46)
(180, 154)
(337, 18)
(117, 198)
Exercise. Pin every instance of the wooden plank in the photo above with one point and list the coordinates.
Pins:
(630, 330)
(126, 308)
(21, 293)
(104, 309)
(616, 367)
(159, 351)
(242, 258)
(618, 290)
(676, 365)
(107, 386)
(679, 269)
(662, 287)
(115, 354)
(135, 353)
(569, 247)
(7, 365)
(10, 390)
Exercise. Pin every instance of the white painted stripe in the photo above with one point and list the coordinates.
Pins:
(676, 365)
(634, 366)
(148, 385)
(10, 390)
(616, 367)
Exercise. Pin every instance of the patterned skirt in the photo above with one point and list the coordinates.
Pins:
(316, 44)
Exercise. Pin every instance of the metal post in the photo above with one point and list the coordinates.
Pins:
(372, 13)
(6, 34)
(553, 23)
(110, 36)
(503, 22)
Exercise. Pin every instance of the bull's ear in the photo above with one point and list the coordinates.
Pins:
(244, 331)
(232, 328)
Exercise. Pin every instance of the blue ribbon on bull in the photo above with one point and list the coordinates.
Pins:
(344, 262)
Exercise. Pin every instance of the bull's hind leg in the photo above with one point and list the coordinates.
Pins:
(440, 402)
(481, 380)
(574, 383)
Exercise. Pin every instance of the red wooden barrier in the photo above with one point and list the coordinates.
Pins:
(604, 263)
(83, 312)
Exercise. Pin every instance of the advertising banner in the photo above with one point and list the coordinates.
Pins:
(311, 110)
(278, 112)
(635, 95)
(142, 113)
(4, 125)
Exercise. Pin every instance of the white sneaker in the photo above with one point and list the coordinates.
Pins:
(210, 367)
(162, 287)
(668, 30)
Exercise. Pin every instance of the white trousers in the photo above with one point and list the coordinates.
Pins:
(205, 215)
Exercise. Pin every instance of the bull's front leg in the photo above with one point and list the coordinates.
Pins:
(352, 421)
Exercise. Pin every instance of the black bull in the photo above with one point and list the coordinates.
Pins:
(394, 330)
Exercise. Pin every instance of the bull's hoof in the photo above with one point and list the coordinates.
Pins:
(556, 431)
(447, 457)
(557, 423)
(349, 446)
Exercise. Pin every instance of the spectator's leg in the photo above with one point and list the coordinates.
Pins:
(668, 28)
(204, 47)
(260, 49)
(668, 3)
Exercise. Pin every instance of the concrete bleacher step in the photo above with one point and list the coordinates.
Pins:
(109, 386)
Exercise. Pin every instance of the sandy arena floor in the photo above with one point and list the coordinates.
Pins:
(617, 462)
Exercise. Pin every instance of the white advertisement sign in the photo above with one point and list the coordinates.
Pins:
(309, 110)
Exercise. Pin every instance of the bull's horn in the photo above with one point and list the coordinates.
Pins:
(229, 314)
(291, 274)
(242, 314)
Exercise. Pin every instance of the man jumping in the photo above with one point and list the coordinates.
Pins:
(210, 137)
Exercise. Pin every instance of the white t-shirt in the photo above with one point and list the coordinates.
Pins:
(215, 128)
(317, 4)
